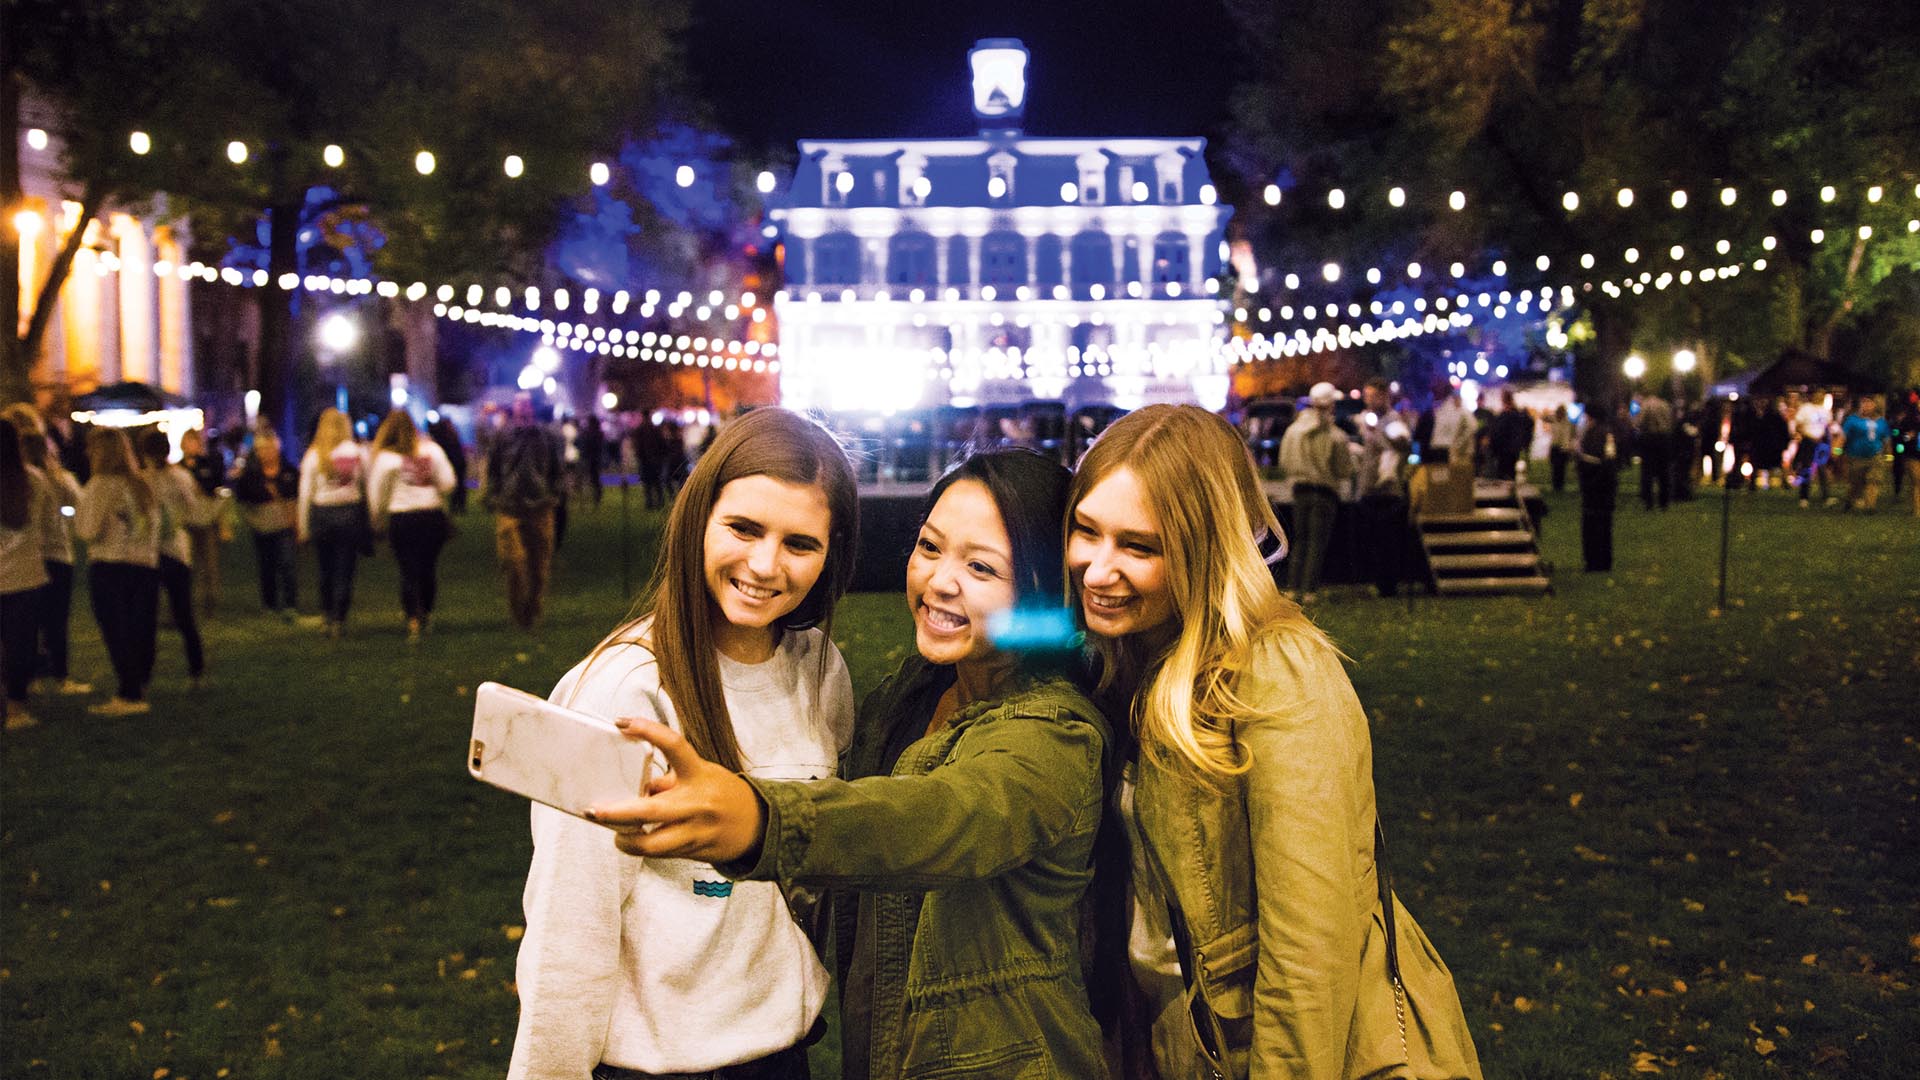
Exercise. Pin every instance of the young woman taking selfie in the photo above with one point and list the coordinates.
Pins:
(660, 966)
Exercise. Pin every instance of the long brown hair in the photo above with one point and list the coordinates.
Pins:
(16, 490)
(397, 434)
(110, 453)
(1201, 486)
(678, 611)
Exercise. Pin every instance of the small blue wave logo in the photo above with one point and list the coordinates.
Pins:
(713, 888)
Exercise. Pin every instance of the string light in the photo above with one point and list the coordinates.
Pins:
(1679, 200)
(1571, 201)
(1336, 198)
(1457, 200)
(423, 163)
(139, 142)
(599, 174)
(1728, 196)
(237, 152)
(333, 156)
(1625, 198)
(1397, 197)
(513, 166)
(683, 176)
(1272, 194)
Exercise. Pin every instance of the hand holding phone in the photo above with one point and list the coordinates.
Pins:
(551, 754)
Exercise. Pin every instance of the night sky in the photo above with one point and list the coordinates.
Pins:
(778, 71)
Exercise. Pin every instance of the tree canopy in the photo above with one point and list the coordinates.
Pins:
(1517, 103)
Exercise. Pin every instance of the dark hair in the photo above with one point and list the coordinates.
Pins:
(154, 448)
(766, 442)
(1030, 491)
(16, 491)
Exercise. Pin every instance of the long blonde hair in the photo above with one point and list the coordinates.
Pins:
(398, 434)
(333, 429)
(1202, 490)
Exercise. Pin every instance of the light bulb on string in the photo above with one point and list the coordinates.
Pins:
(514, 167)
(1397, 197)
(1679, 200)
(1457, 200)
(1828, 193)
(1625, 197)
(139, 142)
(1272, 195)
(1728, 196)
(764, 183)
(333, 155)
(423, 163)
(1571, 201)
(1874, 193)
(599, 174)
(237, 152)
(1779, 196)
(1336, 198)
(683, 176)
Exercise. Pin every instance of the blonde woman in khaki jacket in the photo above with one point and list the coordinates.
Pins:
(1264, 938)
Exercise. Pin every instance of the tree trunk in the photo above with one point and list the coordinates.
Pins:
(1600, 376)
(1822, 344)
(15, 374)
(26, 348)
(275, 364)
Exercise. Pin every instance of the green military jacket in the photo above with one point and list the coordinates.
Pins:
(957, 879)
(1273, 872)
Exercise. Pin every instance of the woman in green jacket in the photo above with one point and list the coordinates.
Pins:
(1265, 939)
(961, 842)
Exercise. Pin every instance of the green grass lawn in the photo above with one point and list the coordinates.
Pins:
(1644, 837)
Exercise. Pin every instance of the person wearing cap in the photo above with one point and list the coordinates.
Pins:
(1315, 456)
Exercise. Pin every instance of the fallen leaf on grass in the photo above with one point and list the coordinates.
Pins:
(514, 933)
(1763, 1046)
(222, 902)
(1587, 854)
(138, 1027)
(1694, 906)
(223, 817)
(161, 1073)
(1522, 1005)
(272, 1048)
(1573, 800)
(1797, 898)
(1679, 986)
(1811, 959)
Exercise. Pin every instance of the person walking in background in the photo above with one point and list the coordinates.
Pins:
(332, 512)
(26, 505)
(1386, 439)
(1866, 437)
(1654, 441)
(592, 442)
(268, 491)
(1772, 442)
(525, 479)
(55, 612)
(1314, 455)
(447, 438)
(1809, 422)
(1600, 446)
(1560, 446)
(1510, 438)
(1445, 432)
(208, 468)
(182, 507)
(409, 485)
(119, 517)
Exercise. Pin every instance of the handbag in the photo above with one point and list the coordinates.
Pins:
(1423, 1050)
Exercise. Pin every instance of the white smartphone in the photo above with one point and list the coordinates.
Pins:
(568, 760)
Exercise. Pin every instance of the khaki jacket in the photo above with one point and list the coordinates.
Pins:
(963, 868)
(1274, 876)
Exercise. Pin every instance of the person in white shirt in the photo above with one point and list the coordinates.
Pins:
(56, 598)
(407, 490)
(1811, 421)
(182, 508)
(634, 966)
(26, 500)
(332, 512)
(119, 518)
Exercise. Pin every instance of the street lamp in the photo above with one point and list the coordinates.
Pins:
(337, 333)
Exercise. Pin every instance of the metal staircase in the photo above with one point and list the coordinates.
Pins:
(1491, 549)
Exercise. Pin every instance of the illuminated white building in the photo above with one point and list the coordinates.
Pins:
(1001, 268)
(123, 312)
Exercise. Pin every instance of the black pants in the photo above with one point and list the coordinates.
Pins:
(126, 604)
(559, 523)
(56, 607)
(417, 537)
(788, 1064)
(176, 580)
(1656, 471)
(1383, 540)
(19, 623)
(274, 551)
(1557, 460)
(336, 534)
(1599, 486)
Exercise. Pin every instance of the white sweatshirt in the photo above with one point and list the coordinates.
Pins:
(662, 965)
(185, 506)
(340, 480)
(116, 527)
(22, 562)
(398, 484)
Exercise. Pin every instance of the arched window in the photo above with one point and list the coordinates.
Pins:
(910, 261)
(1003, 260)
(1170, 259)
(1092, 259)
(836, 259)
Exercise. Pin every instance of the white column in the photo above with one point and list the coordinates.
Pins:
(1032, 244)
(1066, 263)
(176, 318)
(878, 248)
(139, 337)
(1145, 241)
(806, 261)
(1119, 243)
(942, 253)
(973, 263)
